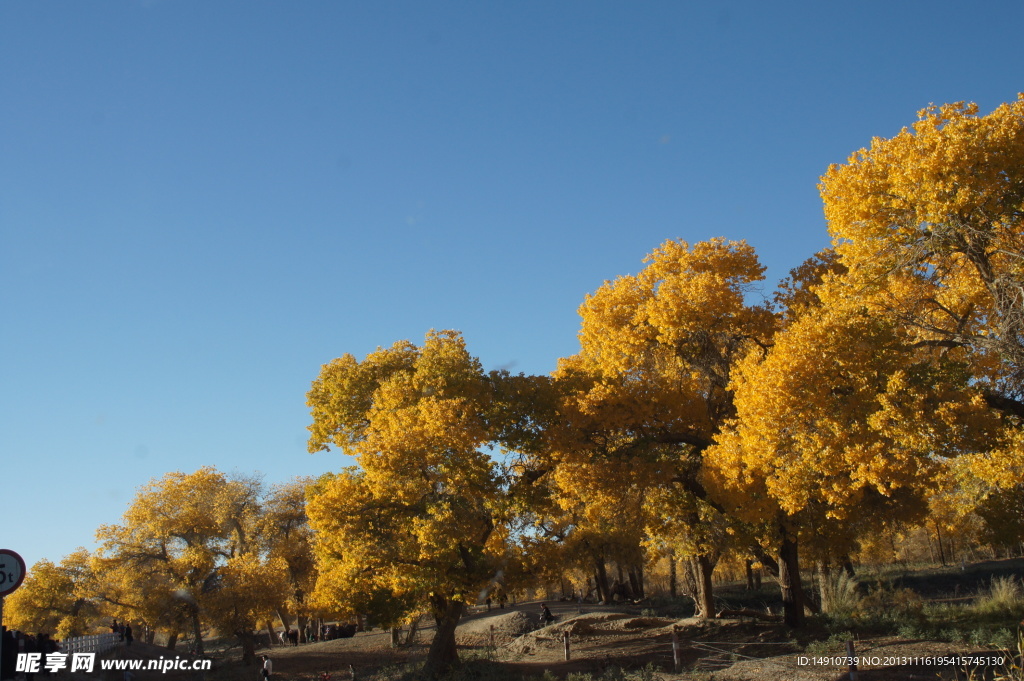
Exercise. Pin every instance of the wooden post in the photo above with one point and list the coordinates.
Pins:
(491, 640)
(565, 637)
(677, 661)
(851, 659)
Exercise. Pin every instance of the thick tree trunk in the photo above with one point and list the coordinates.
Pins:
(286, 621)
(634, 585)
(247, 639)
(789, 580)
(621, 585)
(302, 622)
(443, 654)
(750, 574)
(701, 568)
(172, 640)
(601, 577)
(270, 634)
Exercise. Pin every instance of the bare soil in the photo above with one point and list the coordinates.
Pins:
(601, 637)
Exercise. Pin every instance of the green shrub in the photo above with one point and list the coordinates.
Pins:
(836, 643)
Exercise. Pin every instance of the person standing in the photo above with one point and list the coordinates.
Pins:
(268, 668)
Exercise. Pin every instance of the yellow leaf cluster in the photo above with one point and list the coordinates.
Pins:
(416, 518)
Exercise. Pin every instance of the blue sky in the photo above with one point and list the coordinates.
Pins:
(202, 202)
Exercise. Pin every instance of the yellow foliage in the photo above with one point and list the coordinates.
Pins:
(197, 538)
(929, 224)
(415, 523)
(53, 599)
(840, 417)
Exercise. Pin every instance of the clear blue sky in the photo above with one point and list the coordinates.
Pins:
(202, 202)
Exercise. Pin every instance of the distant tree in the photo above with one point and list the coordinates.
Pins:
(286, 536)
(53, 598)
(198, 534)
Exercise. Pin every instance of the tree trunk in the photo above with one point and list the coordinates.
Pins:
(750, 574)
(938, 540)
(286, 621)
(396, 636)
(824, 592)
(247, 639)
(197, 632)
(411, 637)
(270, 633)
(673, 579)
(621, 585)
(443, 654)
(601, 577)
(789, 581)
(634, 585)
(302, 622)
(172, 640)
(701, 568)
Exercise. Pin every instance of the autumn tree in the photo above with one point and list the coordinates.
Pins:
(286, 536)
(54, 598)
(653, 372)
(198, 535)
(841, 424)
(418, 525)
(125, 593)
(594, 515)
(929, 224)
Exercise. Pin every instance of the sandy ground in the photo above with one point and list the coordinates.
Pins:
(599, 637)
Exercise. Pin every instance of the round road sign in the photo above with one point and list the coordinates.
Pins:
(12, 571)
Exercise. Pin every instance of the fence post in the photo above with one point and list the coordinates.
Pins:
(677, 661)
(565, 636)
(851, 658)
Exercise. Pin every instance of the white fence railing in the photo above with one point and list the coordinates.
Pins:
(99, 643)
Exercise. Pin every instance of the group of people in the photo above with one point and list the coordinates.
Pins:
(15, 642)
(123, 631)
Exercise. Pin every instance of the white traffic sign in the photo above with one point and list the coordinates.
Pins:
(12, 571)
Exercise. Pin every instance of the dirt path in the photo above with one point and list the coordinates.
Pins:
(600, 637)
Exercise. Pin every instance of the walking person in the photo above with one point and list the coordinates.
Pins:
(268, 668)
(546, 617)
